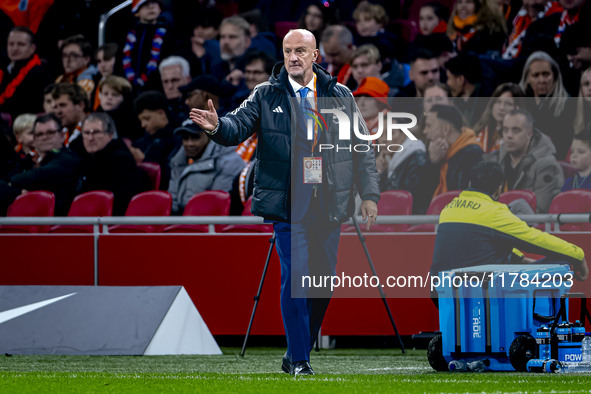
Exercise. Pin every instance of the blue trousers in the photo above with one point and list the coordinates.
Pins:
(305, 248)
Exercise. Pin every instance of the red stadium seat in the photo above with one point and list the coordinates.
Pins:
(246, 228)
(282, 28)
(152, 203)
(572, 201)
(90, 204)
(568, 170)
(154, 172)
(392, 202)
(209, 203)
(37, 203)
(437, 204)
(513, 195)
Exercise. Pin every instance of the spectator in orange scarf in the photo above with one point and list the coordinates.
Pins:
(453, 150)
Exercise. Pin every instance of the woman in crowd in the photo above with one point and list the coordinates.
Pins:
(315, 19)
(433, 18)
(477, 26)
(506, 97)
(115, 99)
(553, 116)
(583, 122)
(436, 93)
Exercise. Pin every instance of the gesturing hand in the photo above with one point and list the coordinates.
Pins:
(207, 120)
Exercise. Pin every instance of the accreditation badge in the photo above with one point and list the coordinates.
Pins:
(312, 169)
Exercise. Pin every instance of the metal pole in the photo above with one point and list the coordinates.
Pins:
(258, 296)
(105, 17)
(373, 270)
(96, 229)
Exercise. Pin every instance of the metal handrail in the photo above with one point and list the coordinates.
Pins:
(105, 17)
(167, 220)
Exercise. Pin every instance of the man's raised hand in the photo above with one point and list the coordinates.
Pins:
(207, 120)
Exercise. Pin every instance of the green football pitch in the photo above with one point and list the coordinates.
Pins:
(338, 371)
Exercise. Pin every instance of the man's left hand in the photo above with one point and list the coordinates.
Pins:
(369, 210)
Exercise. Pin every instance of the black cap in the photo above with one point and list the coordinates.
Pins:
(189, 127)
(206, 83)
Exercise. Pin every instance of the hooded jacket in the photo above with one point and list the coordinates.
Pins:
(538, 171)
(342, 169)
(215, 170)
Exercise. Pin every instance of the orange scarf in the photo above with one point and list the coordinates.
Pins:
(466, 138)
(246, 149)
(15, 83)
(488, 142)
(461, 24)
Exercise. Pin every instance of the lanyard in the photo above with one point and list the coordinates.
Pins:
(315, 124)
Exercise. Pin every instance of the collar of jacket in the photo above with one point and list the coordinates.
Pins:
(477, 193)
(167, 131)
(325, 83)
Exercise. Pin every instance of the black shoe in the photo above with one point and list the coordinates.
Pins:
(302, 368)
(286, 364)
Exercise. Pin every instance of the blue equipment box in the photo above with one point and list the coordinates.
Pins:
(493, 311)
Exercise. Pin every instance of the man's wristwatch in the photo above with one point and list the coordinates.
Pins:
(212, 132)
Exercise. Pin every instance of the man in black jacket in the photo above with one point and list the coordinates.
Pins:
(159, 142)
(107, 163)
(308, 233)
(23, 80)
(55, 171)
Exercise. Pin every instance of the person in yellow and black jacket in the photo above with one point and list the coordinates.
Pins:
(476, 229)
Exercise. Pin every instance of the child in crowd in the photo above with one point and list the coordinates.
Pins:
(105, 56)
(146, 45)
(433, 18)
(580, 159)
(371, 21)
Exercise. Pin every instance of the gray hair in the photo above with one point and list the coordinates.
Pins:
(559, 96)
(238, 22)
(344, 36)
(105, 119)
(176, 61)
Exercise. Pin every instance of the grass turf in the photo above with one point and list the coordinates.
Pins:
(340, 371)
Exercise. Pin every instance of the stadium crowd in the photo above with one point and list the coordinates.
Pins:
(501, 81)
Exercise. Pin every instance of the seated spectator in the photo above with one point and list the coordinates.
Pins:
(200, 165)
(175, 72)
(336, 48)
(506, 97)
(234, 41)
(371, 20)
(258, 67)
(147, 43)
(476, 26)
(200, 90)
(453, 151)
(526, 157)
(107, 163)
(372, 100)
(433, 18)
(435, 94)
(582, 117)
(424, 70)
(580, 159)
(464, 77)
(531, 11)
(105, 56)
(22, 127)
(576, 47)
(550, 107)
(554, 25)
(202, 49)
(365, 62)
(316, 18)
(158, 142)
(115, 99)
(71, 102)
(48, 102)
(56, 169)
(76, 58)
(262, 40)
(23, 79)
